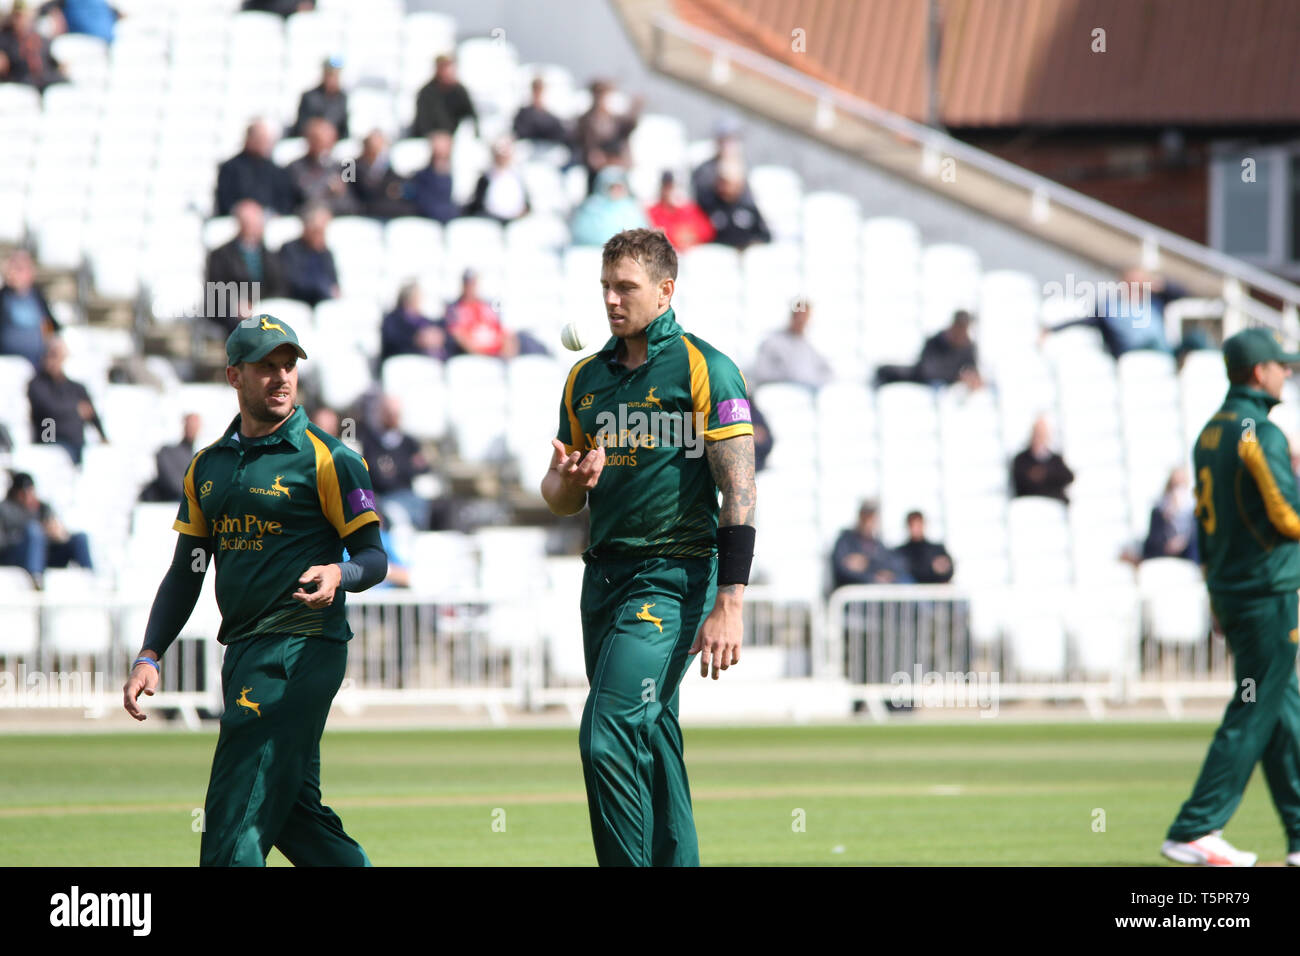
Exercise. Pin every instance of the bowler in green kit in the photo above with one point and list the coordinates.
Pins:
(1248, 530)
(651, 429)
(273, 503)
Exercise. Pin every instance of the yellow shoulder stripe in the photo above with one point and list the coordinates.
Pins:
(575, 430)
(700, 395)
(330, 493)
(1280, 512)
(197, 526)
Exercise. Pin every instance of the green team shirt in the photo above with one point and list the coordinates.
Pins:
(1246, 500)
(273, 507)
(656, 495)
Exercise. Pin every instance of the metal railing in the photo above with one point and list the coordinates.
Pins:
(1042, 192)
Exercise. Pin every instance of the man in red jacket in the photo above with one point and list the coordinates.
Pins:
(680, 217)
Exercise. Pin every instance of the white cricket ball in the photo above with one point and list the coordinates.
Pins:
(571, 338)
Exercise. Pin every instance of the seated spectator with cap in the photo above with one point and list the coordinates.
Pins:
(500, 192)
(443, 103)
(61, 407)
(429, 190)
(408, 331)
(947, 358)
(928, 562)
(31, 535)
(1172, 531)
(680, 218)
(732, 210)
(251, 174)
(172, 462)
(1038, 470)
(317, 177)
(536, 123)
(788, 356)
(26, 323)
(308, 264)
(726, 133)
(242, 271)
(600, 135)
(610, 209)
(326, 101)
(395, 462)
(860, 557)
(379, 191)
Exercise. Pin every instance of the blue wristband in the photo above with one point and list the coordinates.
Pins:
(146, 660)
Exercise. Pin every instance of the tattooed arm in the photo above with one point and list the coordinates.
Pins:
(731, 461)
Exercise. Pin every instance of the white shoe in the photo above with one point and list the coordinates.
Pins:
(1209, 850)
(1293, 859)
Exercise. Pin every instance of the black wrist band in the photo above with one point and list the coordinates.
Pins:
(735, 553)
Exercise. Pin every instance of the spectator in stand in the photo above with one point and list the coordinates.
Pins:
(307, 263)
(1172, 532)
(317, 177)
(443, 103)
(788, 356)
(601, 135)
(26, 51)
(429, 190)
(233, 269)
(947, 358)
(395, 461)
(31, 535)
(680, 217)
(378, 191)
(173, 461)
(860, 557)
(473, 325)
(500, 193)
(60, 407)
(608, 210)
(92, 17)
(763, 440)
(928, 562)
(326, 101)
(1133, 317)
(732, 210)
(252, 175)
(536, 123)
(26, 323)
(326, 419)
(1038, 470)
(281, 8)
(730, 149)
(408, 331)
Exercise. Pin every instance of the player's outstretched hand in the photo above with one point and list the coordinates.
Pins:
(718, 641)
(325, 578)
(142, 680)
(577, 469)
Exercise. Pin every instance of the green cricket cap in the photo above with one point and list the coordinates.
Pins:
(1254, 346)
(257, 337)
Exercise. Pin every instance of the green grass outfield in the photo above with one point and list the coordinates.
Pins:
(978, 793)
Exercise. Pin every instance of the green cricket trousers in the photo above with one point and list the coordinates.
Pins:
(639, 618)
(1262, 721)
(265, 785)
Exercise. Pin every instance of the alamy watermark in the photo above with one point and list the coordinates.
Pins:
(1121, 300)
(975, 689)
(53, 689)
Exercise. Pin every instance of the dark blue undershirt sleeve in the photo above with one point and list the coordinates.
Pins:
(178, 593)
(367, 562)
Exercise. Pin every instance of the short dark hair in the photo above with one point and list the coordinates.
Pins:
(649, 247)
(1240, 374)
(914, 514)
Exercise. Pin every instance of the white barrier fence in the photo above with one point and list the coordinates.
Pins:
(874, 647)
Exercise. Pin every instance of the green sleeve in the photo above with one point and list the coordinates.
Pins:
(178, 593)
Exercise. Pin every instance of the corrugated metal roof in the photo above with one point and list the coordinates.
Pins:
(1032, 62)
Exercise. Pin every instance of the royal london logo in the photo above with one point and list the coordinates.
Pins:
(275, 491)
(645, 615)
(586, 400)
(269, 326)
(243, 701)
(205, 489)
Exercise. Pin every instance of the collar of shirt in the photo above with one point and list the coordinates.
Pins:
(1245, 393)
(291, 431)
(661, 330)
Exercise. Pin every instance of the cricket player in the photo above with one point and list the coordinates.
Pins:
(273, 503)
(1248, 526)
(651, 428)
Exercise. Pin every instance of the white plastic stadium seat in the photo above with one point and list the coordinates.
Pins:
(18, 623)
(1176, 606)
(78, 622)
